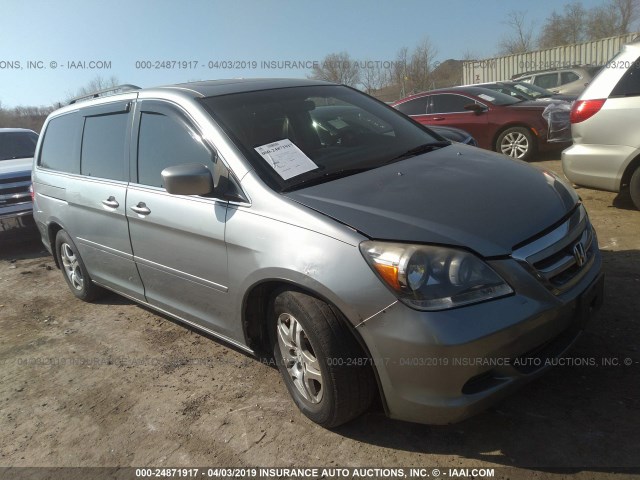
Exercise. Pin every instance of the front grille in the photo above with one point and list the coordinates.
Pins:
(14, 191)
(8, 179)
(561, 257)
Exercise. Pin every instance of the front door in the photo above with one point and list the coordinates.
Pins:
(178, 241)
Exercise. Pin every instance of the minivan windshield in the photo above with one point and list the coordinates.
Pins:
(17, 145)
(300, 136)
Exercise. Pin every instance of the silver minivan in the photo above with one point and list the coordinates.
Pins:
(308, 221)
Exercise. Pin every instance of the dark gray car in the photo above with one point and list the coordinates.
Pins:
(380, 261)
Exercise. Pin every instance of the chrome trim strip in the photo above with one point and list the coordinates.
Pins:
(99, 246)
(576, 229)
(551, 239)
(180, 274)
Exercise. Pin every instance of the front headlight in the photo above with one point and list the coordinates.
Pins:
(433, 278)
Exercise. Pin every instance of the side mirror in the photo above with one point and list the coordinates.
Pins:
(188, 179)
(476, 108)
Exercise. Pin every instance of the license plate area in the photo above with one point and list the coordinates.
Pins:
(591, 300)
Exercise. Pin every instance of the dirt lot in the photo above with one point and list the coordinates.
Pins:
(113, 384)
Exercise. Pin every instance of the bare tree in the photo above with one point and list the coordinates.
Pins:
(564, 29)
(373, 76)
(422, 64)
(553, 33)
(616, 18)
(338, 68)
(627, 12)
(521, 38)
(400, 70)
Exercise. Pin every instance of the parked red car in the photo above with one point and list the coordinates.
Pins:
(497, 121)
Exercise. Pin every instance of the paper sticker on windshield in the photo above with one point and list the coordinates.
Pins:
(338, 123)
(286, 158)
(486, 97)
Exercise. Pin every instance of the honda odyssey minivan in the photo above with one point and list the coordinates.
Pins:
(378, 261)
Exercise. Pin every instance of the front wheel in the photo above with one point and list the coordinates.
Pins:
(323, 367)
(516, 142)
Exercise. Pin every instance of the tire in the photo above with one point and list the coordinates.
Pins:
(516, 142)
(634, 188)
(327, 374)
(73, 269)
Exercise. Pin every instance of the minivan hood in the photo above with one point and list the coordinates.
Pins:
(458, 195)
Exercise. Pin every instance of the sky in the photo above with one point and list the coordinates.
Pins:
(50, 49)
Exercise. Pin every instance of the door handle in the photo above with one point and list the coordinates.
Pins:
(111, 202)
(438, 119)
(141, 209)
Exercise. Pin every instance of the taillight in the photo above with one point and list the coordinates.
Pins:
(583, 109)
(31, 192)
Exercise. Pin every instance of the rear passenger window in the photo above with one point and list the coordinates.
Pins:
(61, 144)
(417, 106)
(103, 146)
(629, 84)
(447, 103)
(164, 142)
(568, 77)
(548, 80)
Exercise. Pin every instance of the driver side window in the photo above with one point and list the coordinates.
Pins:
(165, 141)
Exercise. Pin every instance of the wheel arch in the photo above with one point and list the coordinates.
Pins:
(628, 171)
(255, 306)
(53, 228)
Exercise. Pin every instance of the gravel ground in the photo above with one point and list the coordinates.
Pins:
(115, 384)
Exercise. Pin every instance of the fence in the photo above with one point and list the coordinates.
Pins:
(597, 52)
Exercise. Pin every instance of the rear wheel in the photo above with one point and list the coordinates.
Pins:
(75, 273)
(634, 188)
(516, 142)
(323, 367)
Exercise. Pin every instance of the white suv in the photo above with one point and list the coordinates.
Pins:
(605, 125)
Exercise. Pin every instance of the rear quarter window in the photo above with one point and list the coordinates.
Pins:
(61, 145)
(629, 84)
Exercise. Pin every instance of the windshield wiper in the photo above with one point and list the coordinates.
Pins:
(327, 177)
(424, 148)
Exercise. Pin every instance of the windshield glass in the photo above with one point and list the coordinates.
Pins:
(17, 145)
(532, 90)
(508, 90)
(494, 96)
(301, 136)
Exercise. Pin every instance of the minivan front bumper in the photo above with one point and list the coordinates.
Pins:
(441, 367)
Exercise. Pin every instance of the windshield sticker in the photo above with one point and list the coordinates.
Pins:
(338, 123)
(486, 97)
(286, 158)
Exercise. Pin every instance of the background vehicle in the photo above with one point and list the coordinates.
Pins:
(333, 123)
(605, 124)
(568, 81)
(351, 246)
(526, 91)
(497, 121)
(17, 146)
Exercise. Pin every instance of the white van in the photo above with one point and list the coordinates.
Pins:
(605, 125)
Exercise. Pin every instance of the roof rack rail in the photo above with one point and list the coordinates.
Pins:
(106, 92)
